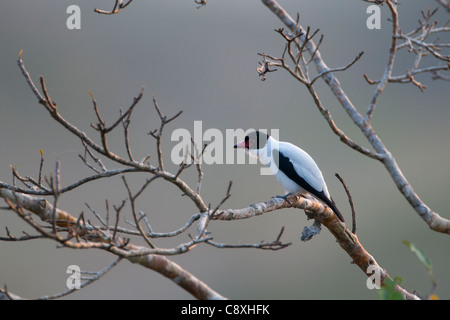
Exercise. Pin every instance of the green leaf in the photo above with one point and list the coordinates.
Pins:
(422, 258)
(387, 292)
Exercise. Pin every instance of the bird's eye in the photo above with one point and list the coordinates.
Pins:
(246, 142)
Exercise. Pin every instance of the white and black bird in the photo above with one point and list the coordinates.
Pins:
(293, 167)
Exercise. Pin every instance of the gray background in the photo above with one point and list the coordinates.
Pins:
(204, 62)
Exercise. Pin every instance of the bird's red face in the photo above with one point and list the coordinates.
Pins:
(246, 144)
(253, 141)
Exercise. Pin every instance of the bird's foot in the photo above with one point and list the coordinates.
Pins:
(285, 197)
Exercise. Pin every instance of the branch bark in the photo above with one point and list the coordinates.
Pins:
(348, 241)
(161, 264)
(98, 239)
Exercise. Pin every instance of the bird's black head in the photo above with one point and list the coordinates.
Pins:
(254, 140)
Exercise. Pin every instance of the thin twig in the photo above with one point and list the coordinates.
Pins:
(133, 208)
(350, 200)
(40, 167)
(390, 64)
(93, 276)
(118, 6)
(337, 69)
(277, 244)
(117, 209)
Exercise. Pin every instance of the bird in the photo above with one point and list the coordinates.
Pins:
(293, 167)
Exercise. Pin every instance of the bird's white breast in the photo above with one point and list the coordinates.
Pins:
(302, 162)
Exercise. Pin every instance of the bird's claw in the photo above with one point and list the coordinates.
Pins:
(285, 198)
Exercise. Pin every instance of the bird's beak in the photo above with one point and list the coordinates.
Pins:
(240, 145)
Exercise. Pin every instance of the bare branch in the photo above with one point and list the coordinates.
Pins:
(264, 67)
(127, 113)
(445, 4)
(40, 167)
(133, 208)
(152, 234)
(273, 245)
(433, 219)
(26, 237)
(97, 160)
(415, 42)
(350, 200)
(157, 134)
(90, 277)
(201, 3)
(118, 6)
(104, 150)
(97, 112)
(149, 258)
(390, 63)
(337, 69)
(126, 124)
(117, 209)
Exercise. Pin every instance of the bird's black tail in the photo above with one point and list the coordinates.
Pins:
(333, 207)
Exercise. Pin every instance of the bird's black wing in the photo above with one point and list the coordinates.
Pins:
(286, 166)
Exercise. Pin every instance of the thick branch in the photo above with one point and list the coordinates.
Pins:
(321, 213)
(144, 256)
(97, 239)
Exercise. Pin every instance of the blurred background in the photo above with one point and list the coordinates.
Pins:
(203, 61)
